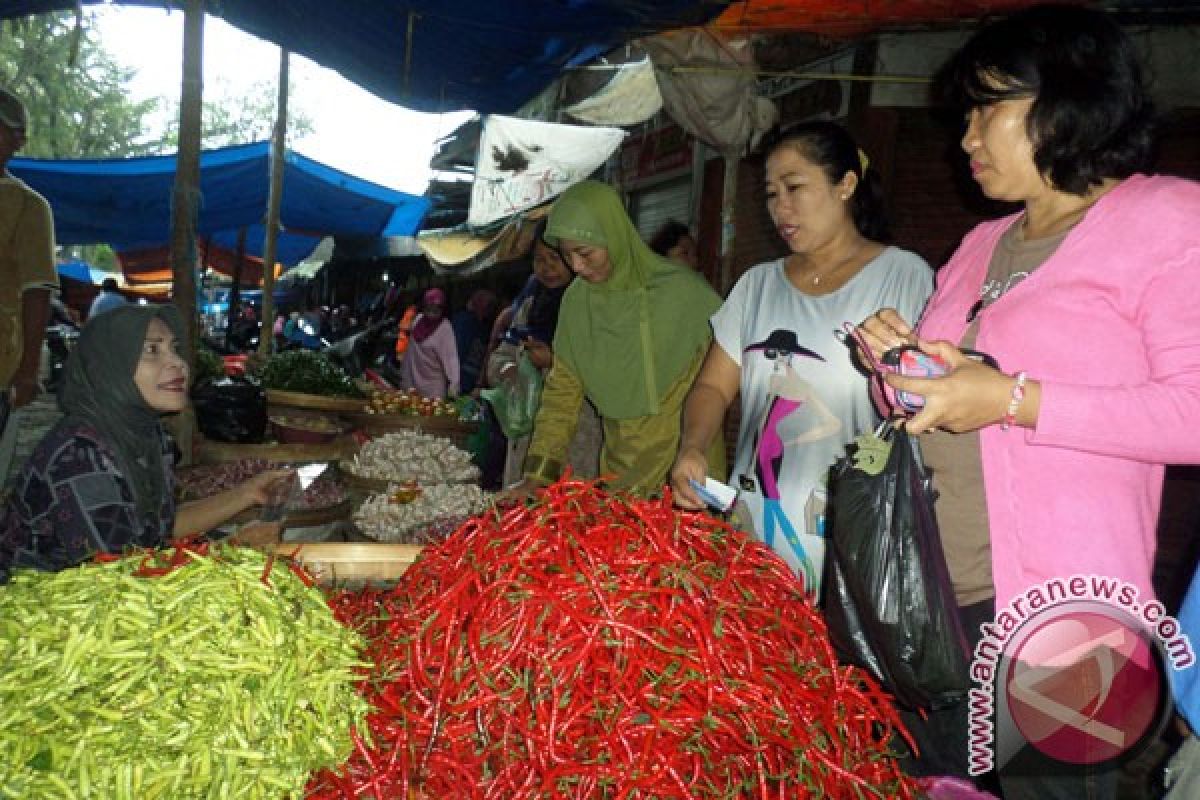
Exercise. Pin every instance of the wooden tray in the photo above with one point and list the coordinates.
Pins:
(388, 423)
(304, 519)
(351, 562)
(315, 402)
(210, 452)
(457, 431)
(363, 485)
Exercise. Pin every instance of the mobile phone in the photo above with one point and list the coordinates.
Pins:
(912, 362)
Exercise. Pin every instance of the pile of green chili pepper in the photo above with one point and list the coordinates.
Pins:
(597, 646)
(191, 673)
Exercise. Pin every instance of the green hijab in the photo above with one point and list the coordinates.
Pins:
(629, 338)
(98, 389)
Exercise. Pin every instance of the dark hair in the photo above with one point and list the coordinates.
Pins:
(109, 284)
(833, 149)
(668, 235)
(1091, 118)
(539, 230)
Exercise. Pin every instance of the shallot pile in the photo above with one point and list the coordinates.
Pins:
(205, 480)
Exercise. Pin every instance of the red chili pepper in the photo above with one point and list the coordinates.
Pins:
(268, 565)
(593, 645)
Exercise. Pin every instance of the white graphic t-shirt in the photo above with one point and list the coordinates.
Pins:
(803, 400)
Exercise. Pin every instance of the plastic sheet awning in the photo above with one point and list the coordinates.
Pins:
(126, 203)
(432, 55)
(849, 18)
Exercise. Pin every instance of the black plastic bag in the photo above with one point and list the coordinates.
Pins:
(230, 410)
(888, 601)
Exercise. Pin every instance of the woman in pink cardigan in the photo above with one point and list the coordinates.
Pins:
(431, 363)
(1052, 466)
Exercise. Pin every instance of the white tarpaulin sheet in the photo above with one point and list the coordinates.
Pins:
(707, 86)
(523, 163)
(631, 97)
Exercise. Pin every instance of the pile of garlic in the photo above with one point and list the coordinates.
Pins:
(413, 456)
(385, 520)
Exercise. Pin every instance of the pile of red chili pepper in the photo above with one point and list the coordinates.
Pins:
(597, 646)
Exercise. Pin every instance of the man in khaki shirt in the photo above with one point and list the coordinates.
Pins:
(27, 279)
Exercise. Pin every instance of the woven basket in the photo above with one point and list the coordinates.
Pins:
(314, 402)
(206, 451)
(304, 519)
(455, 430)
(362, 485)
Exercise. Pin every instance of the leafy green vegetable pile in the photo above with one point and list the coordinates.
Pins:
(307, 372)
(209, 366)
(213, 675)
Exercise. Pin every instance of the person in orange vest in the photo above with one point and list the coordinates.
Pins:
(403, 330)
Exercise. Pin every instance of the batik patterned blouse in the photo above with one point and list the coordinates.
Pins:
(70, 501)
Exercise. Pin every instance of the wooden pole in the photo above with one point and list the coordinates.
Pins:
(235, 292)
(728, 221)
(274, 201)
(185, 198)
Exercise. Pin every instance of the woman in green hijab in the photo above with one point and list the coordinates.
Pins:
(631, 336)
(102, 479)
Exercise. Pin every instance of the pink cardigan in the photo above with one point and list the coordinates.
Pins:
(1110, 325)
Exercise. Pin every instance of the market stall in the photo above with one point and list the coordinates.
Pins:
(582, 645)
(388, 465)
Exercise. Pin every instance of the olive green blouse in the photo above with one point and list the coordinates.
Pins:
(638, 452)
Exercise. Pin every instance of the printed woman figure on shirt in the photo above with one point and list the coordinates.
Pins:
(789, 422)
(776, 343)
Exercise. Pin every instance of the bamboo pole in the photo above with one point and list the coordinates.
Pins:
(235, 292)
(274, 201)
(728, 221)
(185, 198)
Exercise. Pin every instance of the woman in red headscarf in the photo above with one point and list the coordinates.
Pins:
(431, 364)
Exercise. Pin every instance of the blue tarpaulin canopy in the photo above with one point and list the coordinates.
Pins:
(433, 55)
(127, 202)
(80, 271)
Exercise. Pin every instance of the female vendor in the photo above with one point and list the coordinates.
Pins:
(102, 480)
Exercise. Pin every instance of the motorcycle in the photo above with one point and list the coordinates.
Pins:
(60, 341)
(360, 350)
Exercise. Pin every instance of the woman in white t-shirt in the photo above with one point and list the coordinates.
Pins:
(777, 341)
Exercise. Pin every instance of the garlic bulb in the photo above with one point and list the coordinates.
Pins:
(413, 456)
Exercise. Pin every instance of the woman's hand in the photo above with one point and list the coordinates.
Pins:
(540, 354)
(265, 488)
(883, 331)
(690, 465)
(517, 493)
(969, 396)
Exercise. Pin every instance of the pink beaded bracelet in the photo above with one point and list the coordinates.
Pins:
(1014, 402)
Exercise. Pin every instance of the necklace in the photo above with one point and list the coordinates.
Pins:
(837, 266)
